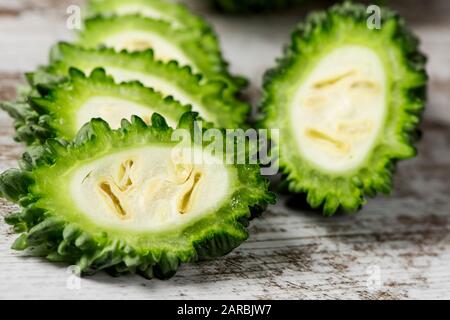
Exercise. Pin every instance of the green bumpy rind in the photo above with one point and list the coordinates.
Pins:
(405, 66)
(57, 105)
(200, 46)
(51, 226)
(47, 108)
(28, 128)
(175, 13)
(227, 111)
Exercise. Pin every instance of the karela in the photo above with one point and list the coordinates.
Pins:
(61, 110)
(190, 47)
(131, 199)
(175, 13)
(347, 100)
(210, 98)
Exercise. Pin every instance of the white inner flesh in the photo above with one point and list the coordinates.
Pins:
(339, 109)
(149, 189)
(113, 110)
(159, 85)
(125, 9)
(139, 41)
(121, 75)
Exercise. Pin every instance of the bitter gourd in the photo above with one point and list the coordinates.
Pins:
(209, 98)
(166, 77)
(131, 199)
(347, 99)
(64, 108)
(190, 47)
(175, 13)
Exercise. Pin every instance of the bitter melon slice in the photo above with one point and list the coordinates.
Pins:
(131, 199)
(224, 109)
(190, 47)
(347, 100)
(175, 13)
(210, 98)
(65, 108)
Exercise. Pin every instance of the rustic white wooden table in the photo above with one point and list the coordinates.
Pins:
(396, 247)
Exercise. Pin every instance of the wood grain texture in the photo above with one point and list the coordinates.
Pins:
(293, 252)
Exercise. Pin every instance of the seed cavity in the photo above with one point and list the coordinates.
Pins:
(187, 198)
(86, 177)
(315, 101)
(332, 81)
(356, 128)
(137, 44)
(344, 133)
(182, 166)
(339, 145)
(183, 172)
(364, 84)
(114, 200)
(124, 176)
(150, 188)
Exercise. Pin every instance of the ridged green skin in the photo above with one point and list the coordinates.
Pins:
(405, 67)
(57, 106)
(200, 46)
(215, 95)
(175, 13)
(26, 121)
(247, 6)
(226, 110)
(53, 226)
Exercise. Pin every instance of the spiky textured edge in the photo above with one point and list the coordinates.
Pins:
(176, 13)
(213, 95)
(28, 129)
(26, 121)
(55, 104)
(346, 192)
(46, 233)
(201, 46)
(230, 111)
(34, 123)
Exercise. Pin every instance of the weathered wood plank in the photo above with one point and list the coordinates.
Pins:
(293, 252)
